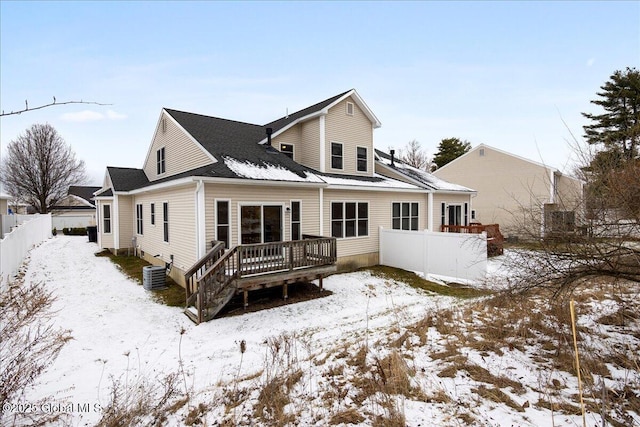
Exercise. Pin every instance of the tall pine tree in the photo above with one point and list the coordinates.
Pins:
(450, 149)
(618, 128)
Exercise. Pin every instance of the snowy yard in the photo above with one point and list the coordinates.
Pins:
(332, 344)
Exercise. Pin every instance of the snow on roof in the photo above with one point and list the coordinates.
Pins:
(378, 181)
(267, 171)
(424, 177)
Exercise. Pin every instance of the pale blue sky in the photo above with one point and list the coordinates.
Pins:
(501, 73)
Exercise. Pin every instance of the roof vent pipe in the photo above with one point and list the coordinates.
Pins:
(392, 152)
(269, 132)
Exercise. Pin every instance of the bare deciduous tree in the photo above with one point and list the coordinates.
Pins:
(51, 104)
(414, 155)
(39, 168)
(598, 239)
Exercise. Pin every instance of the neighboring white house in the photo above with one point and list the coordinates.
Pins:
(76, 210)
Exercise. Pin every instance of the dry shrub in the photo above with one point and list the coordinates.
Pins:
(145, 400)
(348, 416)
(393, 418)
(496, 395)
(270, 407)
(29, 344)
(394, 375)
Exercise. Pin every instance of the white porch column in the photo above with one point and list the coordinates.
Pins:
(201, 242)
(321, 200)
(323, 144)
(430, 211)
(116, 223)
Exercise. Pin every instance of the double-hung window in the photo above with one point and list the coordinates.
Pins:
(165, 221)
(404, 215)
(222, 222)
(336, 155)
(160, 163)
(361, 154)
(349, 219)
(139, 219)
(295, 221)
(153, 214)
(287, 150)
(106, 218)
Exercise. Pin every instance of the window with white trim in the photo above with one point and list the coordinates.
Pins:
(165, 221)
(336, 155)
(139, 225)
(443, 213)
(222, 222)
(296, 224)
(404, 215)
(160, 163)
(106, 218)
(361, 154)
(349, 219)
(287, 150)
(153, 214)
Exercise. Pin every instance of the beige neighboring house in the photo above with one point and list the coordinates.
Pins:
(313, 172)
(515, 192)
(76, 210)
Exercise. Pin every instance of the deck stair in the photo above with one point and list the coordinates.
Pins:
(220, 275)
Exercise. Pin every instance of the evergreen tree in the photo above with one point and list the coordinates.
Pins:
(450, 149)
(618, 128)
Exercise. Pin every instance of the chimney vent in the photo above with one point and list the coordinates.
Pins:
(392, 152)
(269, 132)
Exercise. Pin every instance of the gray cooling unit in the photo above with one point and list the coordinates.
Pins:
(153, 278)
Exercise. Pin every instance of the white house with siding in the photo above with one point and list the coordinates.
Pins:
(313, 172)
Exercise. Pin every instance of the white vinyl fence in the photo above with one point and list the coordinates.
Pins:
(31, 230)
(456, 256)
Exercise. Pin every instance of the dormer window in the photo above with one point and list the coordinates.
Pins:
(160, 165)
(349, 108)
(287, 150)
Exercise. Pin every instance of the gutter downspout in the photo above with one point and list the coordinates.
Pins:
(323, 144)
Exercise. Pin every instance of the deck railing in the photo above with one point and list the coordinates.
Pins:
(212, 275)
(495, 239)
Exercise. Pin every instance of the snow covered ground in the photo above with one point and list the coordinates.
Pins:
(120, 333)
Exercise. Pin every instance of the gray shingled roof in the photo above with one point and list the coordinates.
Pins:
(284, 121)
(83, 191)
(225, 139)
(426, 179)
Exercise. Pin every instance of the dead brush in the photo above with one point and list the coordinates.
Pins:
(148, 400)
(29, 344)
(496, 395)
(347, 416)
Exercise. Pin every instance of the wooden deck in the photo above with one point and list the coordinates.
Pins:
(220, 275)
(495, 239)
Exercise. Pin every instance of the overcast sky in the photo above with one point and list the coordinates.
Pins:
(506, 74)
